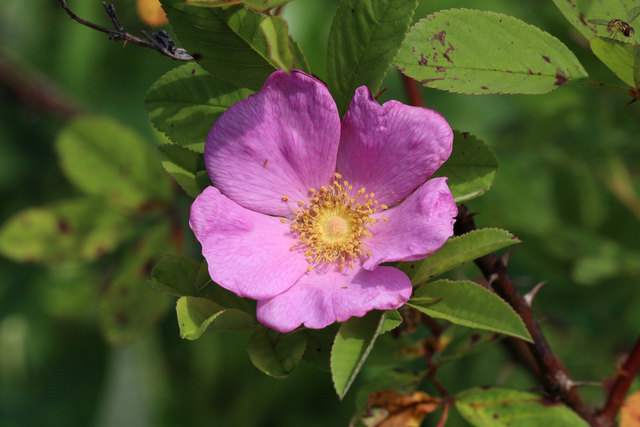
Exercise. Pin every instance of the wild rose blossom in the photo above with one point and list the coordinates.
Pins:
(304, 208)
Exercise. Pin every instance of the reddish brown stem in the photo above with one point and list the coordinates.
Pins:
(629, 370)
(413, 91)
(555, 377)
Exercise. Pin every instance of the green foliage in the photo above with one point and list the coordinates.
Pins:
(475, 52)
(495, 406)
(456, 251)
(176, 276)
(76, 230)
(186, 102)
(275, 354)
(471, 168)
(185, 166)
(351, 347)
(468, 304)
(319, 343)
(254, 4)
(364, 38)
(276, 31)
(197, 315)
(580, 12)
(129, 308)
(104, 158)
(621, 58)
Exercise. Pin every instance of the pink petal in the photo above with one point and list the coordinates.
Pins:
(325, 296)
(279, 142)
(391, 149)
(416, 228)
(247, 252)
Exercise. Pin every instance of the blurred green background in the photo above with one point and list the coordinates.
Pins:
(568, 188)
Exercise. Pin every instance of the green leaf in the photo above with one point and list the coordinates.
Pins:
(68, 231)
(184, 165)
(185, 103)
(197, 315)
(276, 31)
(240, 54)
(207, 288)
(456, 251)
(319, 343)
(475, 52)
(463, 341)
(468, 304)
(618, 56)
(128, 307)
(274, 353)
(392, 319)
(254, 4)
(580, 12)
(351, 347)
(364, 38)
(104, 158)
(471, 168)
(495, 406)
(176, 276)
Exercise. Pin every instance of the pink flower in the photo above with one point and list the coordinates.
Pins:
(305, 208)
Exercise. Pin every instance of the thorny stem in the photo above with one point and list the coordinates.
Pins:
(159, 41)
(555, 377)
(625, 377)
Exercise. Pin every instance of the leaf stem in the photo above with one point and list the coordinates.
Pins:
(621, 89)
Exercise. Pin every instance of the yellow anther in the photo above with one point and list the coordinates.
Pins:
(285, 198)
(338, 175)
(282, 220)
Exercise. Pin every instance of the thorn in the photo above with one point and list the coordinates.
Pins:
(532, 293)
(379, 93)
(505, 257)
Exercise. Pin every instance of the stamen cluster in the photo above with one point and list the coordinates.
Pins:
(333, 224)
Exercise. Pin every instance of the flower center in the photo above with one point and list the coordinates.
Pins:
(333, 224)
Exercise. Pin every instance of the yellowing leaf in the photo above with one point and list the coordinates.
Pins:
(630, 411)
(151, 13)
(403, 410)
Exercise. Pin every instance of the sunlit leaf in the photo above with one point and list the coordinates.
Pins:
(106, 159)
(456, 251)
(580, 12)
(468, 304)
(151, 13)
(364, 38)
(276, 31)
(351, 347)
(197, 315)
(240, 54)
(274, 353)
(183, 164)
(475, 52)
(67, 231)
(185, 103)
(128, 307)
(495, 406)
(471, 168)
(618, 56)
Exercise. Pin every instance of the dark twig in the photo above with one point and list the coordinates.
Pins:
(555, 377)
(159, 41)
(625, 377)
(413, 91)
